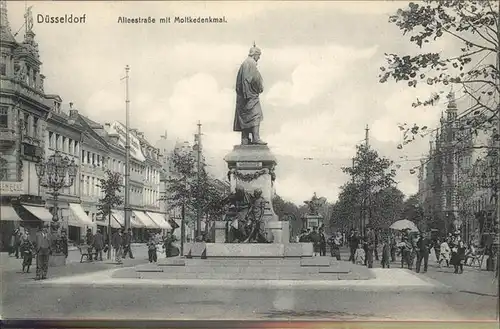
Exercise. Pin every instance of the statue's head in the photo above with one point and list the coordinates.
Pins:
(255, 52)
(257, 193)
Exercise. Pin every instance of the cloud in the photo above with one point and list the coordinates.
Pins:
(316, 68)
(399, 110)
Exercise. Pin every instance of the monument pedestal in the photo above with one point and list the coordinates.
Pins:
(252, 167)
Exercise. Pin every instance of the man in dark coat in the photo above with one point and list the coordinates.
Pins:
(370, 246)
(117, 243)
(43, 251)
(322, 242)
(98, 244)
(127, 244)
(423, 249)
(353, 244)
(89, 240)
(248, 114)
(315, 239)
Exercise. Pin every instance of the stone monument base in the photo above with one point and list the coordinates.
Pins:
(57, 260)
(248, 250)
(280, 231)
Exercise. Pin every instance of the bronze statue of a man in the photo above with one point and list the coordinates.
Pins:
(249, 85)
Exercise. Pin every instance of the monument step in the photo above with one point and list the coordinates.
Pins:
(248, 276)
(243, 261)
(234, 270)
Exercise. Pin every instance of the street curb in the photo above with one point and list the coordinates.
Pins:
(247, 284)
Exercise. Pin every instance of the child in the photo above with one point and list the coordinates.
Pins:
(359, 256)
(386, 254)
(27, 249)
(153, 257)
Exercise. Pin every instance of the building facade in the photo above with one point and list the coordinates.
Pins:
(452, 190)
(23, 121)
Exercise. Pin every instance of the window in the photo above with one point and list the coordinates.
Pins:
(4, 119)
(3, 67)
(35, 127)
(25, 124)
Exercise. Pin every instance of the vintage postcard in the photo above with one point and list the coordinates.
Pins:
(332, 161)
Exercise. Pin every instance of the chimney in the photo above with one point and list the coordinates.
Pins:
(72, 112)
(107, 125)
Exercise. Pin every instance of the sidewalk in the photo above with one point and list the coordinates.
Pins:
(12, 264)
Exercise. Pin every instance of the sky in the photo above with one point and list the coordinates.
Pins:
(320, 64)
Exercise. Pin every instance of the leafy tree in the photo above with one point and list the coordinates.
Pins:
(413, 211)
(387, 207)
(474, 26)
(184, 189)
(346, 211)
(370, 173)
(111, 188)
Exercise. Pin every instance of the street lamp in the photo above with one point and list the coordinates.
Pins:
(56, 173)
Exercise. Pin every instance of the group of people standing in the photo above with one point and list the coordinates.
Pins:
(317, 237)
(40, 248)
(452, 251)
(166, 243)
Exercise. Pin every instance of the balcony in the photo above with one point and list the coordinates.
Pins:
(8, 136)
(90, 168)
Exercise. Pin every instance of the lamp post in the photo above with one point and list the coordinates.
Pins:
(56, 173)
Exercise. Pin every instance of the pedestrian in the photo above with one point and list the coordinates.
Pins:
(335, 246)
(386, 253)
(458, 256)
(152, 255)
(89, 240)
(393, 246)
(127, 244)
(27, 250)
(15, 242)
(406, 250)
(444, 253)
(370, 246)
(43, 250)
(359, 255)
(64, 242)
(322, 242)
(315, 239)
(98, 244)
(117, 243)
(423, 250)
(353, 244)
(304, 237)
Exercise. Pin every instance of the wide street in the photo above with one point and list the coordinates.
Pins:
(85, 291)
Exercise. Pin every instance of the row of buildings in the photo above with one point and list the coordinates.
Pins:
(457, 179)
(35, 125)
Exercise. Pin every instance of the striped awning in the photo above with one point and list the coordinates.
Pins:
(145, 219)
(41, 213)
(159, 219)
(7, 213)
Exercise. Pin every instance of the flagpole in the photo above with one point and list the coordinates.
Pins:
(127, 151)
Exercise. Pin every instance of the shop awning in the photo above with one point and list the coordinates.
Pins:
(78, 217)
(119, 221)
(8, 213)
(159, 219)
(134, 222)
(41, 213)
(148, 222)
